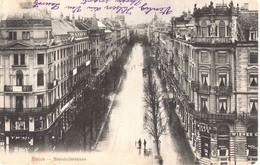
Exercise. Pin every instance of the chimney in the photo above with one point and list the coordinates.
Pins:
(245, 6)
(73, 20)
(61, 16)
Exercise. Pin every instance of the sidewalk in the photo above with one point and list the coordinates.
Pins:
(173, 124)
(111, 98)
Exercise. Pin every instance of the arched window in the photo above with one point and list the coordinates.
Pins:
(221, 29)
(19, 78)
(204, 29)
(40, 76)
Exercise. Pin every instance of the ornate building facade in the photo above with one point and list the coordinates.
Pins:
(210, 67)
(46, 65)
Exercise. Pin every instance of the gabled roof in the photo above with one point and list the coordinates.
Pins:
(62, 27)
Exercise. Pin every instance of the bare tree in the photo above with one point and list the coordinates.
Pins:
(154, 121)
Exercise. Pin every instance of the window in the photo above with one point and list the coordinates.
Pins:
(19, 103)
(222, 80)
(19, 59)
(253, 35)
(22, 56)
(15, 59)
(221, 29)
(204, 107)
(204, 78)
(222, 105)
(253, 80)
(222, 58)
(40, 59)
(253, 57)
(39, 100)
(26, 35)
(204, 29)
(54, 55)
(12, 36)
(254, 107)
(19, 78)
(40, 81)
(204, 57)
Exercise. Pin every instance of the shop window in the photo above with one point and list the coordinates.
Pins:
(204, 57)
(222, 80)
(40, 59)
(253, 57)
(40, 78)
(223, 140)
(39, 100)
(204, 106)
(222, 105)
(39, 123)
(221, 29)
(253, 80)
(252, 141)
(254, 107)
(205, 144)
(19, 78)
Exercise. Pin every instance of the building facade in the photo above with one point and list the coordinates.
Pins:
(46, 65)
(209, 64)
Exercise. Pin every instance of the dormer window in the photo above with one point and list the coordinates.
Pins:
(253, 35)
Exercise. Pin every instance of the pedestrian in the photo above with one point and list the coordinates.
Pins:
(144, 144)
(140, 143)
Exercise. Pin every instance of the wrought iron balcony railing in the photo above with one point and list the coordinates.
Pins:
(223, 90)
(13, 88)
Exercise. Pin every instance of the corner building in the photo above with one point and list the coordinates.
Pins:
(211, 69)
(45, 65)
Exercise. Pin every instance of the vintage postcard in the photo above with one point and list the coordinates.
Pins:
(120, 82)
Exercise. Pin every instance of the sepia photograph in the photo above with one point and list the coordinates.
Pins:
(129, 82)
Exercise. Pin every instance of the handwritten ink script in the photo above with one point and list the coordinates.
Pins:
(126, 7)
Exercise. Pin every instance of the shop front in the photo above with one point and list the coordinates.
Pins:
(223, 133)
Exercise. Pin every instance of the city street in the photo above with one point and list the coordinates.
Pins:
(125, 126)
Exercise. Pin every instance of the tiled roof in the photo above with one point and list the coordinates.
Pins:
(62, 27)
(248, 21)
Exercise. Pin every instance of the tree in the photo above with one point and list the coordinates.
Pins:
(154, 121)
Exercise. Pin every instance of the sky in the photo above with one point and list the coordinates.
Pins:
(137, 16)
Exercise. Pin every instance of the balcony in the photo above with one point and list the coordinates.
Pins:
(195, 85)
(213, 116)
(22, 89)
(30, 111)
(247, 117)
(223, 90)
(204, 89)
(212, 40)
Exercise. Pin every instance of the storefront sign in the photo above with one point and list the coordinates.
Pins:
(243, 134)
